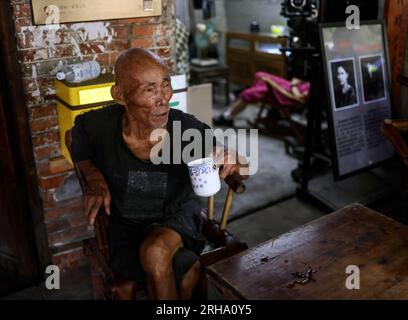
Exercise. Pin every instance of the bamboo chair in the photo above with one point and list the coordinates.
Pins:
(271, 124)
(221, 244)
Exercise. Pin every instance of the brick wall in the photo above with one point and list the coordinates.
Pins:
(42, 49)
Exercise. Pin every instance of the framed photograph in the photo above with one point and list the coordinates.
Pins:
(373, 78)
(356, 69)
(343, 82)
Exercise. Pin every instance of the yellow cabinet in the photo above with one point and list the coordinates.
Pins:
(74, 99)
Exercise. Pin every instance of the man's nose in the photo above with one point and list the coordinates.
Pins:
(163, 95)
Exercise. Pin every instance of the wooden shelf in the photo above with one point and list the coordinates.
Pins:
(248, 53)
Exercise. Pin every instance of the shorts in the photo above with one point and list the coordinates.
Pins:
(125, 241)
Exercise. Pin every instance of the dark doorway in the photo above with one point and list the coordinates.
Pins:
(23, 242)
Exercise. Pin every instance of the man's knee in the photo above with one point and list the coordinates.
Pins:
(155, 255)
(157, 251)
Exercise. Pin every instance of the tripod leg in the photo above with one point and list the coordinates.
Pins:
(311, 122)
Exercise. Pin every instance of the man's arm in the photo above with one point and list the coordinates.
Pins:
(96, 190)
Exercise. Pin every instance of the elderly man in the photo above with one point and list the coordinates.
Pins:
(154, 224)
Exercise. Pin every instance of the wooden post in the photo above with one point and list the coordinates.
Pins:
(210, 210)
(227, 208)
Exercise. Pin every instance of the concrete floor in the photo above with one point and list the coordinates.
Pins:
(273, 221)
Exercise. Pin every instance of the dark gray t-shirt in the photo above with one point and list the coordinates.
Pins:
(142, 192)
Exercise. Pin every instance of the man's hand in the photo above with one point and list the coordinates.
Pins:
(96, 194)
(96, 191)
(231, 162)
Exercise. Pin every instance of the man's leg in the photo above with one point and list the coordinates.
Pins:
(156, 257)
(189, 281)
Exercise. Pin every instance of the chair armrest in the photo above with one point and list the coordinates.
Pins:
(392, 130)
(234, 182)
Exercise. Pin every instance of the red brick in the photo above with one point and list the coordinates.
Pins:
(92, 47)
(13, 2)
(47, 197)
(41, 165)
(164, 52)
(47, 86)
(35, 100)
(59, 165)
(29, 99)
(46, 152)
(43, 124)
(160, 31)
(143, 30)
(145, 43)
(46, 138)
(162, 42)
(42, 111)
(68, 207)
(26, 55)
(70, 258)
(171, 64)
(64, 36)
(122, 32)
(74, 220)
(103, 58)
(119, 45)
(51, 182)
(63, 51)
(70, 235)
(140, 20)
(78, 220)
(113, 56)
(57, 225)
(29, 85)
(22, 22)
(25, 40)
(22, 10)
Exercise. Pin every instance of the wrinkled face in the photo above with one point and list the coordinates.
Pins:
(342, 75)
(147, 94)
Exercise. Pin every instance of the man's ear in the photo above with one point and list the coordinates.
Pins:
(117, 94)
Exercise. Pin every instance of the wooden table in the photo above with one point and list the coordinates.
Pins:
(211, 74)
(354, 235)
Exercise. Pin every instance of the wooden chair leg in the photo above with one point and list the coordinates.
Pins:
(99, 288)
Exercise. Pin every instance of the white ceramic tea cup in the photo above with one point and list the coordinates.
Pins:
(204, 177)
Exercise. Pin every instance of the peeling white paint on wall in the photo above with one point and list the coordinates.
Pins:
(94, 31)
(76, 47)
(48, 36)
(35, 93)
(57, 68)
(42, 36)
(101, 47)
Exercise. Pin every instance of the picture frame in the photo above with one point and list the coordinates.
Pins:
(65, 11)
(357, 76)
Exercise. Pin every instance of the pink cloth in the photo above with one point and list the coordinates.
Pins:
(260, 91)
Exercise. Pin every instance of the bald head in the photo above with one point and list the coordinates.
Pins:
(133, 61)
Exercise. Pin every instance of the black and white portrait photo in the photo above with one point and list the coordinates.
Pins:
(344, 83)
(372, 74)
